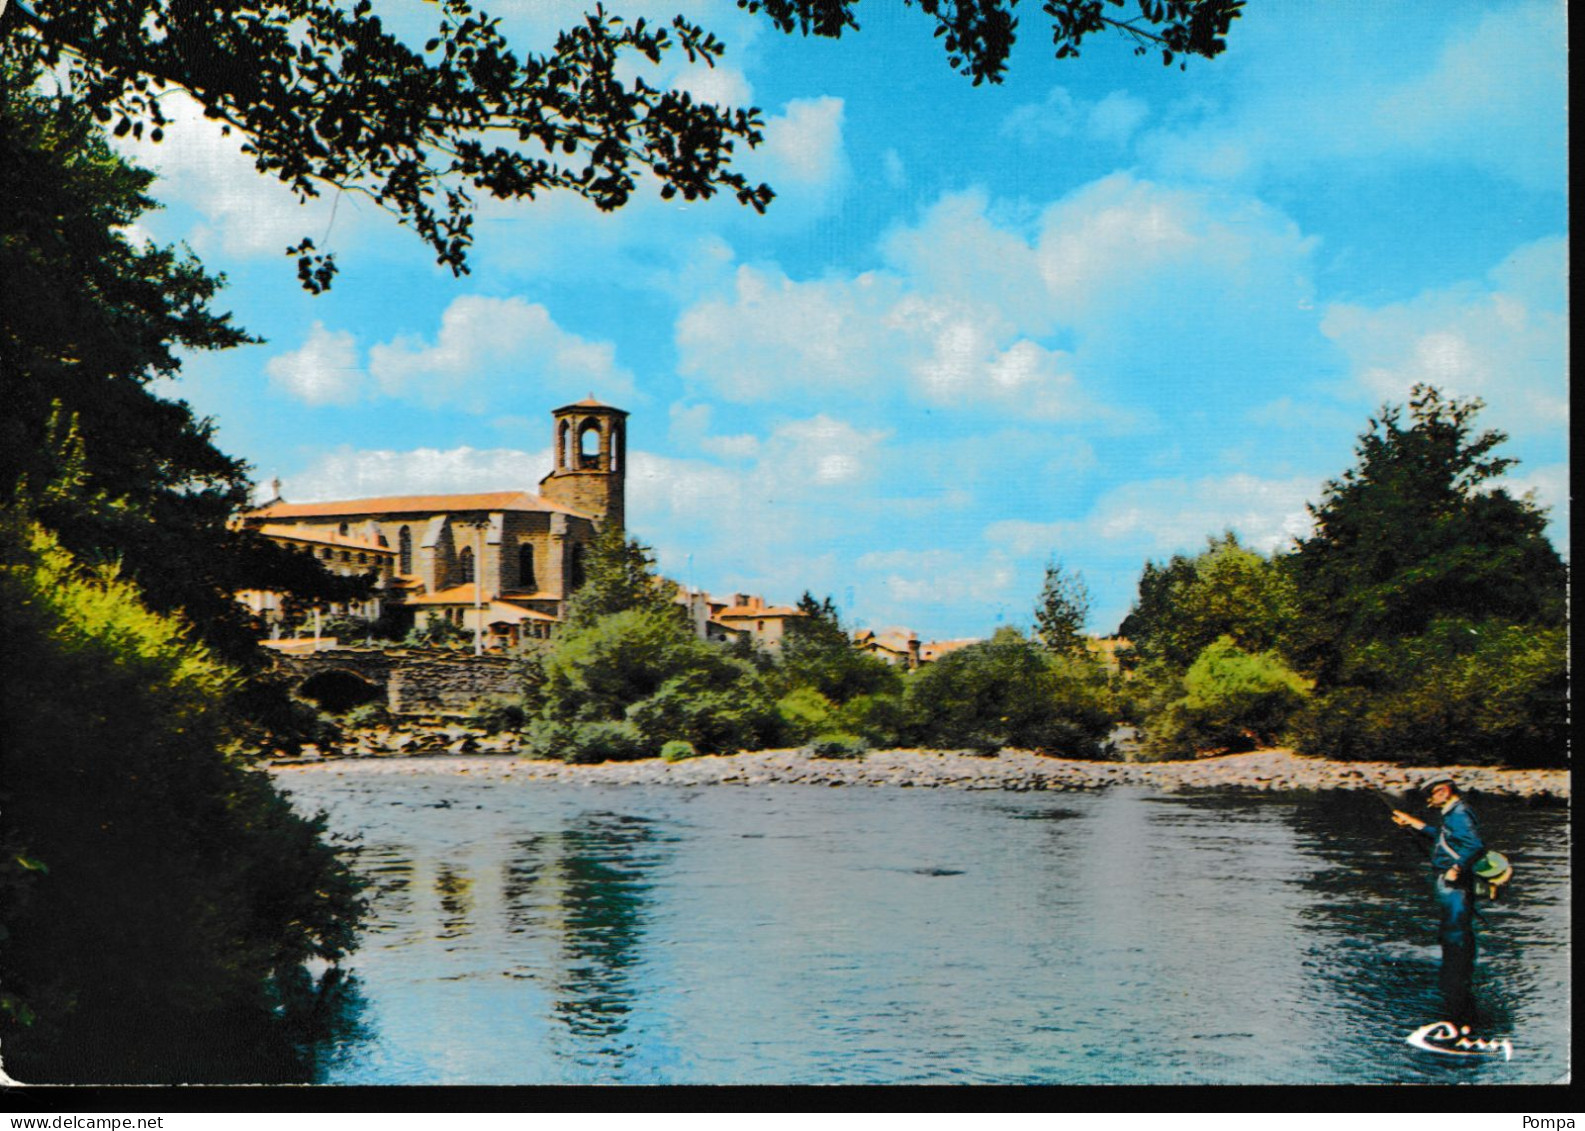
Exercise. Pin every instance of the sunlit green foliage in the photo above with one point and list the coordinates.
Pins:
(93, 318)
(619, 576)
(1464, 692)
(1232, 700)
(181, 892)
(678, 751)
(818, 653)
(803, 712)
(1427, 610)
(1009, 691)
(1416, 530)
(1189, 603)
(1061, 610)
(837, 745)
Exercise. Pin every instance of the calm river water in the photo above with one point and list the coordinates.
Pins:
(527, 933)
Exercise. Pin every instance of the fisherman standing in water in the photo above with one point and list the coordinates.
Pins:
(1456, 846)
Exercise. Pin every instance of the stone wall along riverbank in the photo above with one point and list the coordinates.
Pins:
(456, 751)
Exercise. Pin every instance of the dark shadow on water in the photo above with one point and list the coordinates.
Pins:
(586, 886)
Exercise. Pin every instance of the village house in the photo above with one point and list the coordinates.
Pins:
(896, 646)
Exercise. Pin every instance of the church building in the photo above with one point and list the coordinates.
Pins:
(503, 560)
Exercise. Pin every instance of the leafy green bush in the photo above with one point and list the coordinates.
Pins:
(879, 719)
(836, 745)
(1234, 700)
(546, 740)
(1008, 691)
(803, 713)
(721, 707)
(122, 807)
(678, 751)
(817, 652)
(1464, 692)
(589, 741)
(606, 740)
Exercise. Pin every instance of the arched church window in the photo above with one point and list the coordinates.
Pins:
(564, 445)
(578, 572)
(404, 550)
(525, 566)
(465, 564)
(589, 445)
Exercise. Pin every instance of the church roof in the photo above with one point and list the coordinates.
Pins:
(415, 504)
(323, 538)
(590, 402)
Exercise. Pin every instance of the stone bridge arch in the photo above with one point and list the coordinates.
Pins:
(412, 681)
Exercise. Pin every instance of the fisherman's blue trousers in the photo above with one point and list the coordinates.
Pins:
(1457, 904)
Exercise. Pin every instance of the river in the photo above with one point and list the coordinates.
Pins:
(537, 933)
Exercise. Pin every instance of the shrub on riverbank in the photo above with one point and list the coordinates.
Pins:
(1464, 692)
(837, 745)
(1009, 691)
(678, 751)
(161, 896)
(1233, 701)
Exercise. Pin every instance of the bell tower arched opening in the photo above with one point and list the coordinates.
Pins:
(590, 471)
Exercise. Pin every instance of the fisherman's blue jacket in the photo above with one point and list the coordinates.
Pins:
(1457, 839)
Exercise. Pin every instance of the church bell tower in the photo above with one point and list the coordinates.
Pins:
(590, 441)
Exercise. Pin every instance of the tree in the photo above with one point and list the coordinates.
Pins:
(1009, 691)
(327, 98)
(1415, 531)
(161, 898)
(618, 576)
(90, 321)
(1226, 590)
(817, 653)
(1232, 700)
(1062, 610)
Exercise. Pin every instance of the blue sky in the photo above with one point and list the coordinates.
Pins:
(1097, 313)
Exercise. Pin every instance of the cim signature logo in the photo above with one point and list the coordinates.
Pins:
(1455, 1040)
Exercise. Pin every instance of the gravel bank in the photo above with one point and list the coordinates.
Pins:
(1262, 770)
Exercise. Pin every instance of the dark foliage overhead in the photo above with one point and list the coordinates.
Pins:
(327, 97)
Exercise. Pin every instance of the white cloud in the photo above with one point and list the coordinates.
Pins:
(349, 473)
(489, 350)
(1504, 340)
(1165, 516)
(908, 585)
(246, 213)
(803, 157)
(1492, 96)
(323, 371)
(1112, 120)
(717, 86)
(977, 312)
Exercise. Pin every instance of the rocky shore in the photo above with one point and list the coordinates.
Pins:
(459, 751)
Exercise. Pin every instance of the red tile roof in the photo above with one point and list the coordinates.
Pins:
(415, 504)
(751, 612)
(458, 595)
(590, 402)
(322, 538)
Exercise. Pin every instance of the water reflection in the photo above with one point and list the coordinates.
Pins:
(456, 901)
(528, 934)
(586, 887)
